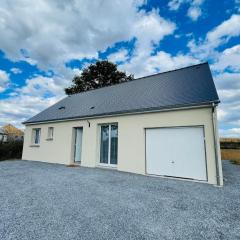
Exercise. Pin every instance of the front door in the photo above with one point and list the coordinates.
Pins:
(109, 145)
(78, 145)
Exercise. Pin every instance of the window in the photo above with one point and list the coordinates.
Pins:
(50, 133)
(36, 136)
(4, 138)
(109, 144)
(78, 144)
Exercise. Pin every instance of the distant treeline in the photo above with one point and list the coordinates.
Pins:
(230, 143)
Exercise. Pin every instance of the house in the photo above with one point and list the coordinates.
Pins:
(161, 125)
(13, 133)
(3, 136)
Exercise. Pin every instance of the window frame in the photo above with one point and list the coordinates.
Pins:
(34, 134)
(50, 131)
(108, 164)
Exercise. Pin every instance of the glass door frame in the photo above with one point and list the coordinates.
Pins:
(109, 145)
(74, 148)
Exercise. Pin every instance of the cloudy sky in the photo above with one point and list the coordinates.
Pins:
(44, 43)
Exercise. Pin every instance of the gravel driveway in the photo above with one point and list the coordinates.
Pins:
(48, 201)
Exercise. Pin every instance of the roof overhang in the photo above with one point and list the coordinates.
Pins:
(132, 112)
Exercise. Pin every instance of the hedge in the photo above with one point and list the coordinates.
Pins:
(11, 150)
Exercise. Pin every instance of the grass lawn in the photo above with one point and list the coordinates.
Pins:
(231, 154)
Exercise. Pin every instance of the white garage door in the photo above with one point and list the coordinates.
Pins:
(176, 152)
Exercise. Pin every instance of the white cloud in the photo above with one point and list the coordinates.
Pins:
(228, 85)
(194, 10)
(45, 33)
(216, 37)
(119, 56)
(194, 13)
(4, 80)
(93, 28)
(55, 32)
(15, 110)
(235, 131)
(149, 30)
(16, 70)
(225, 68)
(38, 93)
(4, 77)
(229, 114)
(221, 114)
(76, 71)
(223, 32)
(229, 58)
(160, 62)
(38, 86)
(232, 132)
(229, 95)
(226, 81)
(175, 4)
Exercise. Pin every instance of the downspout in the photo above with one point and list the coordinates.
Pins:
(215, 143)
(88, 123)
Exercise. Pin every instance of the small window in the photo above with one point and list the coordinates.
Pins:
(36, 136)
(50, 133)
(4, 138)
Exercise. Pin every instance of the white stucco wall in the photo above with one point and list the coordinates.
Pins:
(131, 139)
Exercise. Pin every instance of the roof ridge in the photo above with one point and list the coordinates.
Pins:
(155, 74)
(177, 69)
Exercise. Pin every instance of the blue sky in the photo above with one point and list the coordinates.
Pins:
(44, 44)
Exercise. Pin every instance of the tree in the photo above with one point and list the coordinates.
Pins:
(100, 74)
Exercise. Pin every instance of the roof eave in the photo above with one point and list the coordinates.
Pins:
(137, 111)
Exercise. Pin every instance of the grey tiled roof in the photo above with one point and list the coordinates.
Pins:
(188, 86)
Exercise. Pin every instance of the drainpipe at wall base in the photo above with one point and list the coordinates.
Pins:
(215, 143)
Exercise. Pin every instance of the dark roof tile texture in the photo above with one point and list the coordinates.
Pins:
(188, 86)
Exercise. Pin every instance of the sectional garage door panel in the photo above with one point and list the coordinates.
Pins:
(176, 152)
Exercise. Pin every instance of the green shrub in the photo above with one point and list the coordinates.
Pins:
(11, 150)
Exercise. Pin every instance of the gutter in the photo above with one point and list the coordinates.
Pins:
(215, 143)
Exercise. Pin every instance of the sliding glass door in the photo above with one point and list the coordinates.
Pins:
(109, 144)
